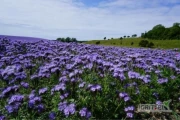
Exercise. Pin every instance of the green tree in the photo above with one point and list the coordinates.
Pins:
(160, 32)
(121, 38)
(68, 39)
(134, 35)
(73, 39)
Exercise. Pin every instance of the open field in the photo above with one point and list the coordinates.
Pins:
(54, 80)
(166, 44)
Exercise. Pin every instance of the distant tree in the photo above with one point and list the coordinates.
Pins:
(104, 38)
(143, 35)
(61, 39)
(128, 36)
(68, 39)
(73, 39)
(124, 36)
(111, 38)
(176, 24)
(134, 35)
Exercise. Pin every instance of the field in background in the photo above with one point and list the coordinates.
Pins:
(166, 44)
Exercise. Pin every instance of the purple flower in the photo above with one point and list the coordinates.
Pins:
(62, 97)
(12, 108)
(40, 107)
(25, 85)
(59, 87)
(133, 75)
(129, 115)
(10, 89)
(2, 117)
(129, 108)
(98, 87)
(53, 70)
(85, 113)
(122, 94)
(158, 102)
(32, 95)
(70, 109)
(52, 116)
(33, 101)
(94, 88)
(63, 79)
(173, 77)
(33, 77)
(115, 74)
(16, 98)
(9, 108)
(42, 91)
(126, 98)
(62, 106)
(162, 80)
(82, 84)
(71, 75)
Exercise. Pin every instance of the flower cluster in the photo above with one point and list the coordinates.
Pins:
(67, 109)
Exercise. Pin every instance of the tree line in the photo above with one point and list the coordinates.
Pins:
(161, 32)
(133, 36)
(68, 39)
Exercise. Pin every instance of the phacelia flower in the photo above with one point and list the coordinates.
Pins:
(85, 113)
(52, 116)
(42, 91)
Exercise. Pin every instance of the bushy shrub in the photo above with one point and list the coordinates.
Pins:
(150, 45)
(132, 43)
(98, 42)
(145, 43)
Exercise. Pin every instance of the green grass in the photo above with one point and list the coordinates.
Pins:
(166, 44)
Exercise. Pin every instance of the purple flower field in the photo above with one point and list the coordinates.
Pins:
(43, 79)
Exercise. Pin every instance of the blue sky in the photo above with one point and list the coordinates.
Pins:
(85, 19)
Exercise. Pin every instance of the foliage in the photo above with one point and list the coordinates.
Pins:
(143, 43)
(68, 39)
(98, 42)
(150, 45)
(146, 43)
(120, 38)
(132, 43)
(160, 32)
(134, 35)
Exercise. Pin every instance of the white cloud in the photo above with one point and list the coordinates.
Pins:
(62, 18)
